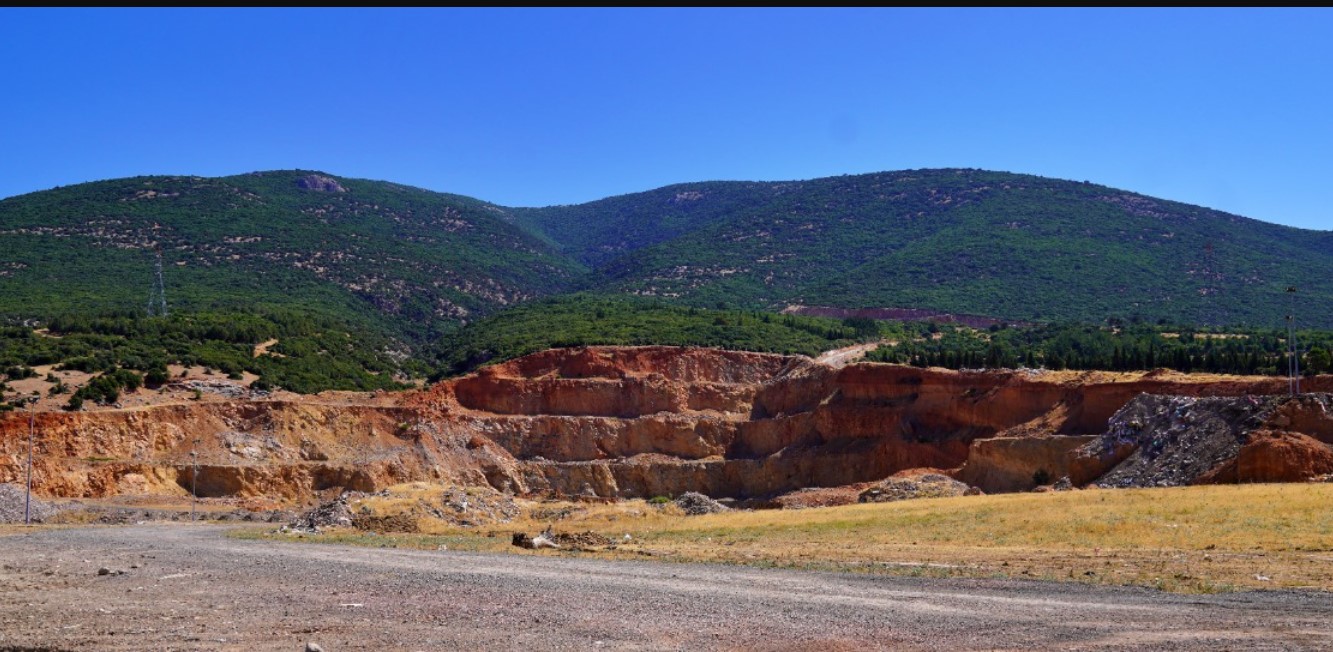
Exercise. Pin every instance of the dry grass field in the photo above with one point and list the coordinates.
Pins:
(1190, 539)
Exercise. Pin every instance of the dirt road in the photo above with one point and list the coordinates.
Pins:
(183, 587)
(842, 357)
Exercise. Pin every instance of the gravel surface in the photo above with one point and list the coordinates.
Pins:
(188, 587)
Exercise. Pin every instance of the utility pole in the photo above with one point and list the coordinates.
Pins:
(157, 295)
(194, 477)
(1293, 351)
(27, 496)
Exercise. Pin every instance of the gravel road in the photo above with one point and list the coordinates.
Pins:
(188, 587)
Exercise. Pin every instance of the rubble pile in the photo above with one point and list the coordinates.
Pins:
(929, 485)
(333, 513)
(697, 504)
(1170, 441)
(470, 506)
(223, 388)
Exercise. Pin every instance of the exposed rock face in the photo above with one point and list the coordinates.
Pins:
(642, 422)
(319, 183)
(1015, 463)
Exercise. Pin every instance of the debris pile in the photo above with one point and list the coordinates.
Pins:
(697, 504)
(928, 485)
(470, 506)
(1170, 441)
(334, 513)
(543, 540)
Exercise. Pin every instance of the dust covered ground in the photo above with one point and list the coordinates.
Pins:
(190, 587)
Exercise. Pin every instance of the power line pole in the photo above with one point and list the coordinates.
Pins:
(194, 477)
(27, 497)
(157, 295)
(1293, 351)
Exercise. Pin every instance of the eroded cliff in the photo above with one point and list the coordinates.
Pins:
(626, 422)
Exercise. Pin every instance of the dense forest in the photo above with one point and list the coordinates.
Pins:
(1115, 347)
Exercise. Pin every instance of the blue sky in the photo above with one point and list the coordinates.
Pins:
(1225, 108)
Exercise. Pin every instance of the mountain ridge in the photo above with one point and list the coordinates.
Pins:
(1009, 246)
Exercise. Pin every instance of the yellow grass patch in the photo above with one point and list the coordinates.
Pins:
(1192, 539)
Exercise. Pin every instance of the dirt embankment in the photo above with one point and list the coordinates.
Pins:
(622, 422)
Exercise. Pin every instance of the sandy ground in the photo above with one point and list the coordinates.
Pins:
(188, 587)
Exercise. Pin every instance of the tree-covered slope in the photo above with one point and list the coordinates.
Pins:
(385, 256)
(970, 241)
(588, 320)
(362, 282)
(602, 230)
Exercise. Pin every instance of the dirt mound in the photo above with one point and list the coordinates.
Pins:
(405, 522)
(581, 540)
(1275, 457)
(697, 504)
(12, 506)
(927, 485)
(821, 496)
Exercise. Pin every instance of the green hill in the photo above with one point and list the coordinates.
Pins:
(590, 320)
(377, 254)
(365, 283)
(969, 241)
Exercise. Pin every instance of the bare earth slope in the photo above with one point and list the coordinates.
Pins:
(189, 588)
(619, 422)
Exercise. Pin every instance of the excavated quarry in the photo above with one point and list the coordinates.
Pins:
(620, 422)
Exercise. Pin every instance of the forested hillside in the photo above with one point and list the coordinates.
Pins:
(1004, 245)
(368, 283)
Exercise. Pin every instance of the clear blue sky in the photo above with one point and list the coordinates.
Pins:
(1225, 108)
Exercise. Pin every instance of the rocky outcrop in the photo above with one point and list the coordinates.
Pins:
(319, 183)
(649, 421)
